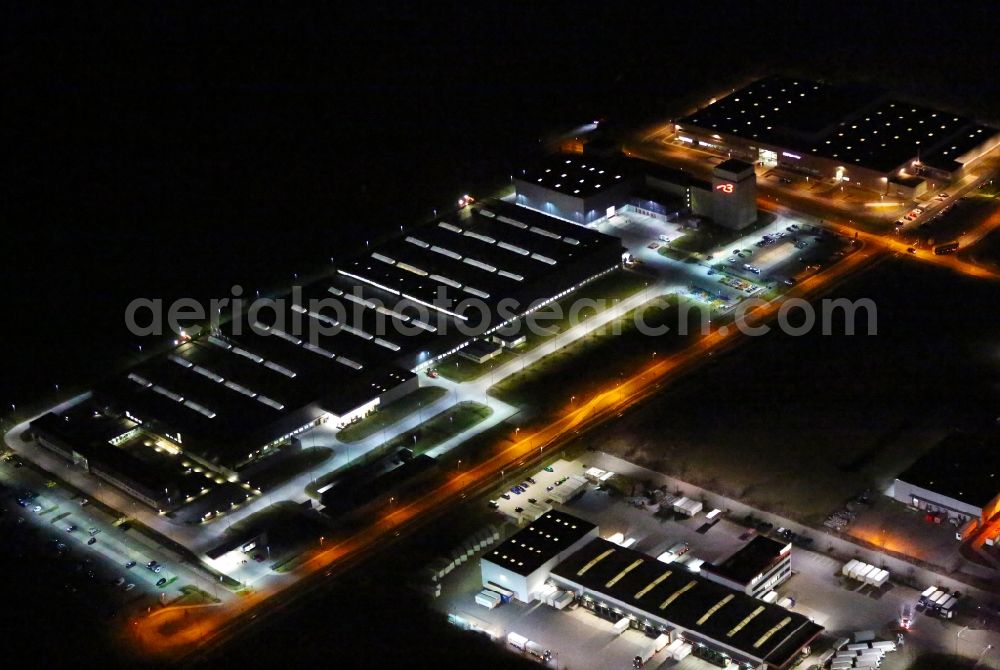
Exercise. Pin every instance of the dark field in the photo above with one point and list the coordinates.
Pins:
(798, 424)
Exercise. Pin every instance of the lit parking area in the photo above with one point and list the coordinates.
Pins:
(526, 499)
(817, 588)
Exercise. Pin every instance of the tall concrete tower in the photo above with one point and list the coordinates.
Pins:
(734, 194)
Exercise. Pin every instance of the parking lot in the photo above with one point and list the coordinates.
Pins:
(577, 638)
(102, 556)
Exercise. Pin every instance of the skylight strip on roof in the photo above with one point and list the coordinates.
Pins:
(747, 619)
(183, 362)
(600, 557)
(715, 608)
(219, 343)
(653, 584)
(270, 403)
(764, 638)
(511, 275)
(512, 222)
(480, 237)
(677, 594)
(446, 252)
(247, 354)
(545, 233)
(411, 268)
(316, 349)
(513, 247)
(479, 264)
(358, 332)
(476, 292)
(544, 259)
(387, 344)
(393, 313)
(201, 409)
(343, 360)
(630, 568)
(141, 381)
(361, 301)
(239, 389)
(449, 226)
(176, 397)
(487, 213)
(420, 243)
(382, 257)
(205, 372)
(426, 326)
(446, 280)
(281, 369)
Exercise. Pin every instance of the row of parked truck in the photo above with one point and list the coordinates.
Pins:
(939, 601)
(865, 573)
(678, 650)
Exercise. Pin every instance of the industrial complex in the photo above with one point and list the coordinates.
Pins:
(850, 133)
(710, 611)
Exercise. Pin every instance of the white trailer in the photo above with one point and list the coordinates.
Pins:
(861, 573)
(616, 538)
(770, 597)
(948, 608)
(687, 506)
(878, 578)
(661, 642)
(622, 625)
(517, 641)
(647, 653)
(849, 567)
(564, 600)
(884, 645)
(682, 652)
(488, 599)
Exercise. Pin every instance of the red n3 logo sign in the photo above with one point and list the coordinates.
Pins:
(725, 188)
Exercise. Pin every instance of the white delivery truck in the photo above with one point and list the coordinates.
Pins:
(682, 652)
(647, 653)
(661, 642)
(488, 599)
(622, 625)
(517, 641)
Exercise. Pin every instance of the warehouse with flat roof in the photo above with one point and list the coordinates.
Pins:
(958, 478)
(722, 625)
(335, 350)
(585, 188)
(722, 622)
(846, 133)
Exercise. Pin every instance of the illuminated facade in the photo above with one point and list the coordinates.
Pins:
(839, 134)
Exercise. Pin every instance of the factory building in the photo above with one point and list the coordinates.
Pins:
(846, 134)
(234, 400)
(761, 565)
(524, 562)
(956, 481)
(585, 188)
(724, 625)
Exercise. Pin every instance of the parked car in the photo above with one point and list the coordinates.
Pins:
(92, 540)
(130, 565)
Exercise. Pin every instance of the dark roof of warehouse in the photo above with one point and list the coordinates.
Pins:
(854, 125)
(491, 251)
(962, 466)
(230, 394)
(749, 561)
(672, 593)
(542, 539)
(578, 175)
